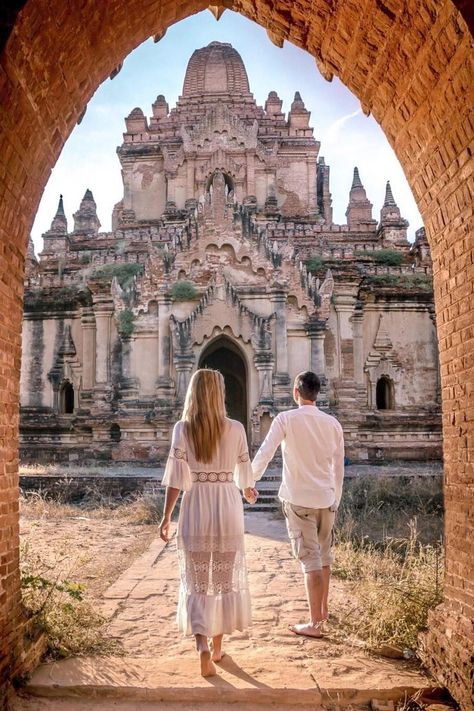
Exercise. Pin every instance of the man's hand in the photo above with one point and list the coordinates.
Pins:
(251, 495)
(165, 529)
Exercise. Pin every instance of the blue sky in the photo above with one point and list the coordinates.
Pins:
(348, 138)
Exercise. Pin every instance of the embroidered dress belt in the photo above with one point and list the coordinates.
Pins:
(219, 477)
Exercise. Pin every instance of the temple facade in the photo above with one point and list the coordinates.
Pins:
(223, 253)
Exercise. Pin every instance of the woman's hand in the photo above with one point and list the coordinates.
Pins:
(165, 529)
(250, 494)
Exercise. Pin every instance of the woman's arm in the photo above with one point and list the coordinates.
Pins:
(171, 497)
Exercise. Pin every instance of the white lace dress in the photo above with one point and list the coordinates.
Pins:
(214, 596)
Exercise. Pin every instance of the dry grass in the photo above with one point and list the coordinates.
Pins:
(389, 534)
(58, 606)
(143, 508)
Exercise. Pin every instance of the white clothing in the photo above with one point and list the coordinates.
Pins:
(312, 446)
(214, 596)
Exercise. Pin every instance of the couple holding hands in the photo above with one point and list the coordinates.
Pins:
(209, 462)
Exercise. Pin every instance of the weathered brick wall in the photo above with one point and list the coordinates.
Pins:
(413, 69)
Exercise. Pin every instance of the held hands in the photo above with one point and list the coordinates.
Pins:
(250, 495)
(165, 529)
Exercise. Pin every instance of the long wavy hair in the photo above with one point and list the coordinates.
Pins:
(204, 413)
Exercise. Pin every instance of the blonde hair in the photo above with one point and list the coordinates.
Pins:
(204, 413)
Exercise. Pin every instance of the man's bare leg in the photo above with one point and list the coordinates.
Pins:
(314, 584)
(207, 665)
(324, 604)
(217, 652)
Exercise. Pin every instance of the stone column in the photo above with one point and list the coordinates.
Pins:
(281, 378)
(251, 189)
(164, 346)
(264, 364)
(190, 177)
(184, 367)
(316, 330)
(312, 182)
(357, 322)
(103, 309)
(88, 348)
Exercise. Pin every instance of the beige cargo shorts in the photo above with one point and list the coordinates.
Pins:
(311, 535)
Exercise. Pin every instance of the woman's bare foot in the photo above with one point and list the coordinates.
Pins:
(207, 665)
(308, 630)
(216, 648)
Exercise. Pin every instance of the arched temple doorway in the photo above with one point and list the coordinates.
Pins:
(223, 355)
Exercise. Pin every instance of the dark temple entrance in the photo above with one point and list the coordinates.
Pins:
(224, 356)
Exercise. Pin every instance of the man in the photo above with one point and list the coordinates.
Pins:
(313, 471)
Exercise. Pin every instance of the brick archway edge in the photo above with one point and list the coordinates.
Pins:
(410, 64)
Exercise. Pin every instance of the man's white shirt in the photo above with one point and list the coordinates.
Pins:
(312, 445)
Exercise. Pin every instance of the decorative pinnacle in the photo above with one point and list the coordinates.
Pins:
(60, 210)
(389, 199)
(88, 195)
(297, 96)
(356, 181)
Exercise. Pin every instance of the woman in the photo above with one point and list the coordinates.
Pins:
(208, 460)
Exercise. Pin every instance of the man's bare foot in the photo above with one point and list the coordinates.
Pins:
(308, 629)
(217, 655)
(207, 665)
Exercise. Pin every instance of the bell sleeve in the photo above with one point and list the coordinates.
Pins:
(177, 472)
(243, 475)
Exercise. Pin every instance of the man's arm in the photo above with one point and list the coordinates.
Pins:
(268, 448)
(338, 464)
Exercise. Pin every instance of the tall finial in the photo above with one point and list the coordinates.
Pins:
(356, 181)
(389, 199)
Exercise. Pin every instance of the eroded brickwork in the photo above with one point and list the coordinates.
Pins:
(413, 69)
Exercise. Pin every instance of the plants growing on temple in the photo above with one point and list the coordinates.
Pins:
(183, 291)
(387, 257)
(407, 281)
(314, 264)
(125, 323)
(124, 273)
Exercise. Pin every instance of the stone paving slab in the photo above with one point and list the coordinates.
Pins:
(267, 664)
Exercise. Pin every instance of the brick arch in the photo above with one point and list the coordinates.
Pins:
(412, 69)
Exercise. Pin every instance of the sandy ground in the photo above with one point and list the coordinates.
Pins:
(92, 548)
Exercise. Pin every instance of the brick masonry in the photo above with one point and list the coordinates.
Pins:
(413, 70)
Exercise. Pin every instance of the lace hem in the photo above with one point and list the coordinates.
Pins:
(212, 573)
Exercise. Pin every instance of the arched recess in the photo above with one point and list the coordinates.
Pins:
(410, 64)
(66, 398)
(224, 354)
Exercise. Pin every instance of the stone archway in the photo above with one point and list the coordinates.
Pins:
(224, 355)
(410, 64)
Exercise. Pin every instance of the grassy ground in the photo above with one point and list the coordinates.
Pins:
(389, 547)
(70, 553)
(388, 550)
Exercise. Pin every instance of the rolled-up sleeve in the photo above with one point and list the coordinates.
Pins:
(177, 473)
(243, 475)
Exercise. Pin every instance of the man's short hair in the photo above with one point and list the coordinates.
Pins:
(308, 385)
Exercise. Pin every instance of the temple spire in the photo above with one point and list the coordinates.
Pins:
(85, 219)
(356, 181)
(359, 209)
(59, 223)
(389, 199)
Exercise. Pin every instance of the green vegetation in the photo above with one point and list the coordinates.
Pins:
(388, 257)
(183, 291)
(125, 322)
(314, 264)
(124, 273)
(407, 281)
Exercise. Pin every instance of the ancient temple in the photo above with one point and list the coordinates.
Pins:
(223, 253)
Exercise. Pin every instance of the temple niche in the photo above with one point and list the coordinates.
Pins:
(223, 253)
